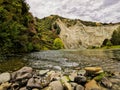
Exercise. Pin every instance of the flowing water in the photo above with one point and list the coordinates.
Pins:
(55, 59)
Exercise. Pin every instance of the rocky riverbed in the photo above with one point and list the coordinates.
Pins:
(87, 78)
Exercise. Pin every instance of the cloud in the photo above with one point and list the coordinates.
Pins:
(90, 10)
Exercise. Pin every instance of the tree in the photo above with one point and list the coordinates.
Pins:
(116, 37)
(58, 44)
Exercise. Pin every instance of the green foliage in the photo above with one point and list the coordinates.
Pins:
(14, 26)
(57, 28)
(109, 43)
(58, 44)
(116, 37)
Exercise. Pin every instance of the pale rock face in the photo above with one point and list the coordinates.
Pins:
(81, 36)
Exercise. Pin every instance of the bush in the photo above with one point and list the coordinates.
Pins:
(116, 37)
(58, 44)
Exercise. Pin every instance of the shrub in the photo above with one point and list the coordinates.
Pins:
(58, 44)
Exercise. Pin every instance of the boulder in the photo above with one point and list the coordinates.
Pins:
(56, 85)
(5, 77)
(23, 73)
(92, 85)
(38, 82)
(34, 83)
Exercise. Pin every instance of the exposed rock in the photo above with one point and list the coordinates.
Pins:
(34, 83)
(54, 75)
(23, 73)
(68, 86)
(81, 72)
(57, 68)
(79, 87)
(65, 79)
(114, 80)
(92, 85)
(116, 87)
(43, 72)
(73, 85)
(23, 88)
(80, 36)
(5, 77)
(37, 82)
(5, 86)
(35, 89)
(80, 79)
(93, 69)
(56, 85)
(106, 83)
(101, 71)
(47, 88)
(72, 76)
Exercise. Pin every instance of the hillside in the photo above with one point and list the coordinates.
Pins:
(84, 34)
(20, 32)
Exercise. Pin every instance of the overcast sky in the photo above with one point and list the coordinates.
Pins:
(90, 10)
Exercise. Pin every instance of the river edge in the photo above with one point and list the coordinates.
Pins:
(87, 78)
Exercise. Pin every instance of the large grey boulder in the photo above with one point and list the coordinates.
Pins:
(5, 77)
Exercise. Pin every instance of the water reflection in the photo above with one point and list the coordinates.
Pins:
(108, 59)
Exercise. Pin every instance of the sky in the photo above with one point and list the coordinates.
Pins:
(90, 10)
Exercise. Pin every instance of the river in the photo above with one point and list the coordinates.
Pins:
(108, 59)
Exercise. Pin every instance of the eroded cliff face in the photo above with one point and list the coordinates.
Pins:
(81, 36)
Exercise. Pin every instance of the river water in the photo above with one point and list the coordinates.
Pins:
(60, 59)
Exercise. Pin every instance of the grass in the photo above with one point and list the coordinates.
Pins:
(111, 47)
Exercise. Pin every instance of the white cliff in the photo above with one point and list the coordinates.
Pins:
(79, 35)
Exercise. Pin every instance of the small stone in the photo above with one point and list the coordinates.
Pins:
(5, 86)
(56, 85)
(79, 87)
(64, 79)
(5, 77)
(47, 88)
(54, 76)
(72, 76)
(68, 86)
(73, 85)
(57, 68)
(23, 88)
(114, 80)
(81, 72)
(93, 69)
(106, 83)
(117, 74)
(99, 72)
(35, 89)
(80, 79)
(92, 85)
(43, 72)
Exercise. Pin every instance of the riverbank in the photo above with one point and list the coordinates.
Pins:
(88, 78)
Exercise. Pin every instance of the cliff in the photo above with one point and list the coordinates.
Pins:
(80, 35)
